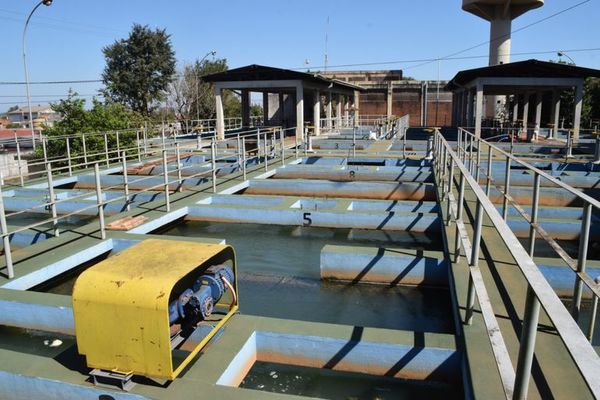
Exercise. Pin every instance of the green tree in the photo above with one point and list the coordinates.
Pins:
(101, 117)
(138, 69)
(591, 102)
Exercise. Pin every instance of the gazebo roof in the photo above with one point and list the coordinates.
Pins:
(522, 69)
(256, 72)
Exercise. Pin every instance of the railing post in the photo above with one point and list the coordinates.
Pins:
(459, 143)
(459, 213)
(448, 191)
(354, 141)
(305, 141)
(584, 238)
(471, 154)
(162, 135)
(45, 150)
(145, 139)
(125, 180)
(282, 140)
(19, 160)
(69, 163)
(138, 145)
(527, 348)
(266, 153)
(239, 151)
(52, 200)
(178, 157)
(258, 146)
(99, 200)
(244, 157)
(213, 161)
(404, 143)
(478, 160)
(534, 212)
(199, 141)
(166, 180)
(118, 142)
(594, 313)
(6, 239)
(474, 262)
(569, 144)
(106, 148)
(506, 188)
(84, 146)
(488, 185)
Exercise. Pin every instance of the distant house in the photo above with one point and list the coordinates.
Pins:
(40, 115)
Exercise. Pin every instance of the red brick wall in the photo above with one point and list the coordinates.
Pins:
(407, 101)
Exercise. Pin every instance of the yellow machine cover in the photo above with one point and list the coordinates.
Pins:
(121, 305)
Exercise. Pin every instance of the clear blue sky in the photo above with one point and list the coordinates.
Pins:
(64, 41)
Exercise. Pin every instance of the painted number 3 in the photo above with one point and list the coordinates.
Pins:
(306, 220)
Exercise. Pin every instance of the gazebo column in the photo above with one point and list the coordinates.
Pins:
(317, 112)
(220, 114)
(265, 108)
(464, 106)
(329, 112)
(338, 111)
(555, 115)
(299, 112)
(469, 109)
(539, 96)
(526, 112)
(515, 109)
(478, 109)
(245, 108)
(347, 111)
(578, 102)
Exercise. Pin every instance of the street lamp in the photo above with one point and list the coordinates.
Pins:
(47, 3)
(210, 53)
(563, 54)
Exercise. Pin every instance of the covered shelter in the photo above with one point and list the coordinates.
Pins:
(284, 95)
(522, 80)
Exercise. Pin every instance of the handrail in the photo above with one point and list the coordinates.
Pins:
(539, 293)
(578, 267)
(264, 137)
(543, 174)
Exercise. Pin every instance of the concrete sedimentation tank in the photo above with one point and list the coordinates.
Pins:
(500, 13)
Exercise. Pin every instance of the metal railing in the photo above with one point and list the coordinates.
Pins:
(457, 171)
(270, 144)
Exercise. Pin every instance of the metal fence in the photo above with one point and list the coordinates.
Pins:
(457, 171)
(270, 145)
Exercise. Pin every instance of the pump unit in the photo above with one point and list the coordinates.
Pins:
(132, 309)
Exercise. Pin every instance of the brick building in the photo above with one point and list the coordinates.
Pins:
(388, 93)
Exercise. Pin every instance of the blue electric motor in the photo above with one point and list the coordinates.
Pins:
(197, 302)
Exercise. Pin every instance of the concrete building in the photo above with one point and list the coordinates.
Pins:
(40, 114)
(388, 93)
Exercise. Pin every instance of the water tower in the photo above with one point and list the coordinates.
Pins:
(500, 13)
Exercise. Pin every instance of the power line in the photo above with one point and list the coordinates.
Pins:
(425, 61)
(451, 58)
(52, 95)
(62, 21)
(505, 35)
(53, 82)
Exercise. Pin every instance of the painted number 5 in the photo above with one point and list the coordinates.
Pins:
(306, 220)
